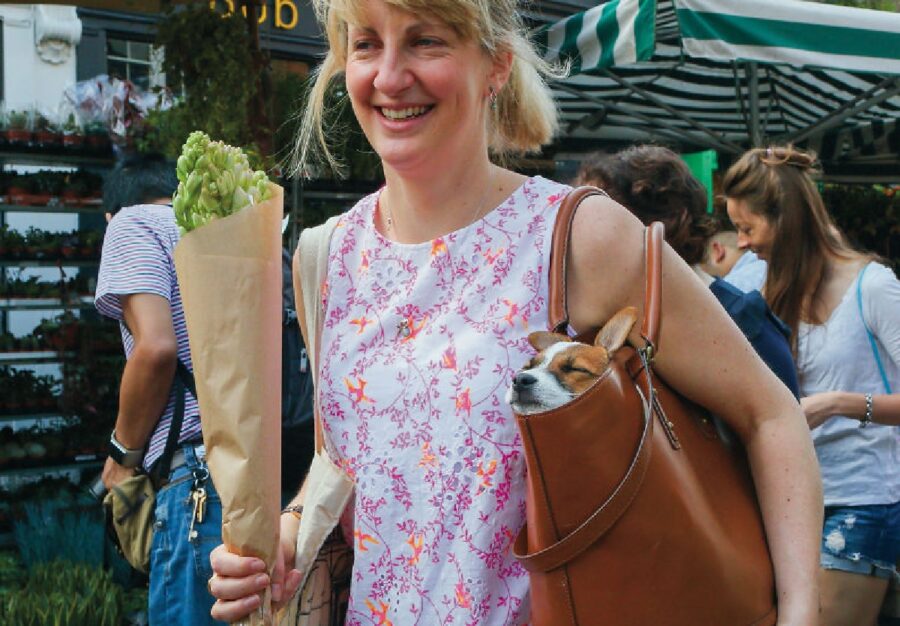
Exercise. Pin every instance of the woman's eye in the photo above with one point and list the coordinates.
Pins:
(427, 41)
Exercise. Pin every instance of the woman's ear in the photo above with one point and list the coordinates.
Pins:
(501, 68)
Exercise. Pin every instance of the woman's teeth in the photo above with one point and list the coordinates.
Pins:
(403, 114)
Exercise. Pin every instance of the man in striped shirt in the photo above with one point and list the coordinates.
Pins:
(137, 286)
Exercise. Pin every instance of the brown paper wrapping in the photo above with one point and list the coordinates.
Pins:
(230, 276)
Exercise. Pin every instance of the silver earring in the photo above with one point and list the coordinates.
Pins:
(493, 98)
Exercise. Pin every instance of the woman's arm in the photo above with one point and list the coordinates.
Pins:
(821, 406)
(704, 356)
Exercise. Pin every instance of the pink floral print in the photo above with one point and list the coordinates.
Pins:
(418, 347)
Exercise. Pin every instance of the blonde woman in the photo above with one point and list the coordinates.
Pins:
(844, 310)
(434, 283)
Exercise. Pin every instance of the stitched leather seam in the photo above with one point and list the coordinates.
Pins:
(544, 493)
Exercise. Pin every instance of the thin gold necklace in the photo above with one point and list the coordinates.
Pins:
(479, 208)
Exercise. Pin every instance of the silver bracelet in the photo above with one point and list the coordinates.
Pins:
(867, 418)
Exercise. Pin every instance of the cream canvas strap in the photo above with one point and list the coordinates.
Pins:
(328, 488)
(310, 270)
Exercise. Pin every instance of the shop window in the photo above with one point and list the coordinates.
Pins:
(137, 61)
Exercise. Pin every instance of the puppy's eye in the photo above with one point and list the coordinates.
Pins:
(571, 367)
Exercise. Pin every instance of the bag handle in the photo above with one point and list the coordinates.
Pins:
(310, 270)
(603, 518)
(562, 236)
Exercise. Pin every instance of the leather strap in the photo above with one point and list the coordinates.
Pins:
(653, 247)
(601, 520)
(184, 379)
(559, 255)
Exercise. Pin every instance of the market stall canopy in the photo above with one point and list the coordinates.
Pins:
(730, 74)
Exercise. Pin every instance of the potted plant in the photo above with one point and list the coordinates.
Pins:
(34, 242)
(18, 128)
(46, 134)
(17, 188)
(96, 136)
(76, 187)
(15, 242)
(72, 135)
(91, 244)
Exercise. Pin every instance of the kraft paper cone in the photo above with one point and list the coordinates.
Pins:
(230, 276)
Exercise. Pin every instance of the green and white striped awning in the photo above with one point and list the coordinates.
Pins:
(616, 33)
(728, 74)
(802, 34)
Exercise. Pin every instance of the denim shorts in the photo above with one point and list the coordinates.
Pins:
(862, 539)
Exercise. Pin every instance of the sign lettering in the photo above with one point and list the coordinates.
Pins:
(280, 7)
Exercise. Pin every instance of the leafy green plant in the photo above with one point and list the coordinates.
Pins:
(208, 56)
(869, 216)
(53, 529)
(61, 593)
(19, 120)
(71, 126)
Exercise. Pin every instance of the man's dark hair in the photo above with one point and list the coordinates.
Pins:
(138, 179)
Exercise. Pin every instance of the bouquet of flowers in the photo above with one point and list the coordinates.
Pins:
(228, 263)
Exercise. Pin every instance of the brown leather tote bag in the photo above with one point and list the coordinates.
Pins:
(637, 512)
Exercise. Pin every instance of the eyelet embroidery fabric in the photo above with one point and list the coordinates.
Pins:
(419, 345)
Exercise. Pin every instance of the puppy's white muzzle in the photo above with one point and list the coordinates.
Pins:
(535, 391)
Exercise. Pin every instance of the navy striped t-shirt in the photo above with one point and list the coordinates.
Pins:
(138, 258)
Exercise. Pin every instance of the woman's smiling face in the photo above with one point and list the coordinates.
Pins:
(755, 232)
(417, 88)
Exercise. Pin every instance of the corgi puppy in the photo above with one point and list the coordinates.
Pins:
(564, 369)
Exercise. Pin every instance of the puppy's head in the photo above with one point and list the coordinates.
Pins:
(563, 369)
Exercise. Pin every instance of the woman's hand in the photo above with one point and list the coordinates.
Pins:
(819, 407)
(238, 580)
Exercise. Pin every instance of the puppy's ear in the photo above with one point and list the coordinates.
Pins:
(542, 339)
(615, 331)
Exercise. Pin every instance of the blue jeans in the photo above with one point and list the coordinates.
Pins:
(862, 539)
(179, 567)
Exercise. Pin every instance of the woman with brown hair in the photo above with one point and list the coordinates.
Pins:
(656, 185)
(842, 306)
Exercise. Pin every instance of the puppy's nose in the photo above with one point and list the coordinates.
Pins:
(524, 380)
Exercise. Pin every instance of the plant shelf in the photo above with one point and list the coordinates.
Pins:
(50, 208)
(50, 262)
(40, 304)
(80, 462)
(36, 157)
(32, 358)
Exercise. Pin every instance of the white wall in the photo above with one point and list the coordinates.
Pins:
(30, 81)
(26, 77)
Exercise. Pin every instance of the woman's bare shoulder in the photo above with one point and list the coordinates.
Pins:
(606, 261)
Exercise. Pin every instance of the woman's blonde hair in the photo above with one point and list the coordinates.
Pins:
(525, 115)
(777, 183)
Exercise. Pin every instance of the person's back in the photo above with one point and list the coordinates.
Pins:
(138, 287)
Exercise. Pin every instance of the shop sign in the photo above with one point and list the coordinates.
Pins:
(282, 14)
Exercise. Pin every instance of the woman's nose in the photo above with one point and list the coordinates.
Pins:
(743, 243)
(393, 75)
